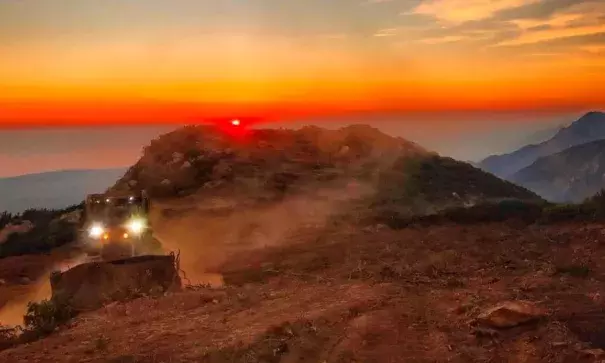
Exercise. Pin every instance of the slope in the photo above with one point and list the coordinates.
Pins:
(568, 176)
(344, 294)
(589, 127)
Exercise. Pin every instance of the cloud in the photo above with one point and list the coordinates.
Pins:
(553, 34)
(388, 32)
(460, 11)
(500, 23)
(444, 39)
(572, 23)
(554, 22)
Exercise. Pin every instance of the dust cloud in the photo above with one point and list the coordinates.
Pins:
(12, 313)
(207, 230)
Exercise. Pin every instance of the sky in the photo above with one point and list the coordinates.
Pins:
(66, 62)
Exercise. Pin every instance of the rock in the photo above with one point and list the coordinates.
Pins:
(165, 182)
(185, 165)
(484, 332)
(132, 183)
(177, 157)
(25, 280)
(594, 353)
(2, 282)
(212, 184)
(221, 169)
(344, 150)
(510, 314)
(462, 308)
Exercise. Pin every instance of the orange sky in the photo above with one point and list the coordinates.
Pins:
(68, 61)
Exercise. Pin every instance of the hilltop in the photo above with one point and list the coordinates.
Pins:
(265, 165)
(587, 128)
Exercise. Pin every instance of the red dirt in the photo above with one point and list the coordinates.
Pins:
(367, 296)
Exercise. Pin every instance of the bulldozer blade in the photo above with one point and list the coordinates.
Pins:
(91, 285)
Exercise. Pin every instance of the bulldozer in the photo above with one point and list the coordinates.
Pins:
(123, 258)
(116, 226)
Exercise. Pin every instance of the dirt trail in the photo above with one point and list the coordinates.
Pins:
(207, 231)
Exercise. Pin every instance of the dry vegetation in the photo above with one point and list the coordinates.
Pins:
(376, 295)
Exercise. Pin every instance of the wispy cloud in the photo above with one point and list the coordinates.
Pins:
(559, 26)
(460, 11)
(388, 32)
(444, 39)
(559, 21)
(553, 34)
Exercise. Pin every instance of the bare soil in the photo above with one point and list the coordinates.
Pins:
(355, 294)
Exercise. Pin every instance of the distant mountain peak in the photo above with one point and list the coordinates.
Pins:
(589, 127)
(593, 114)
(590, 119)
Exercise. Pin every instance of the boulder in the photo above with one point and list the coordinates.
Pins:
(595, 353)
(510, 314)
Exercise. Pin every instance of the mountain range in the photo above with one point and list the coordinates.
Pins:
(589, 127)
(571, 175)
(55, 189)
(568, 167)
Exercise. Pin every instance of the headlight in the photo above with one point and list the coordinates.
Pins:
(136, 226)
(96, 230)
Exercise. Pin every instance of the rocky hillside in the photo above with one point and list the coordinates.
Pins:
(568, 176)
(589, 127)
(267, 164)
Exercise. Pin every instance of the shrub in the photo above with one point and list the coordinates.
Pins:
(9, 337)
(517, 210)
(574, 270)
(42, 318)
(49, 232)
(5, 218)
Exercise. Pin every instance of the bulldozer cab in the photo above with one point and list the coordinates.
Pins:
(115, 209)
